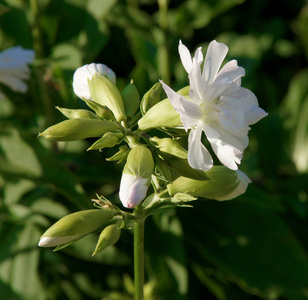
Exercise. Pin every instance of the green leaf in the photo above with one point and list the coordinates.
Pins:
(252, 246)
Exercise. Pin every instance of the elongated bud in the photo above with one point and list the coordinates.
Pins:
(105, 93)
(77, 113)
(108, 237)
(170, 147)
(78, 129)
(151, 97)
(121, 155)
(85, 73)
(102, 111)
(224, 184)
(136, 176)
(176, 156)
(160, 115)
(75, 226)
(109, 140)
(131, 99)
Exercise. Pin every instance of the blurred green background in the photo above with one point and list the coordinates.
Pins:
(253, 247)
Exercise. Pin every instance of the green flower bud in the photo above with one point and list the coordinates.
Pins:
(102, 111)
(151, 97)
(176, 156)
(131, 99)
(223, 184)
(160, 115)
(109, 140)
(170, 146)
(75, 226)
(77, 113)
(78, 129)
(109, 236)
(136, 176)
(104, 92)
(120, 156)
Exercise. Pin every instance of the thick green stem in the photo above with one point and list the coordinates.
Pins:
(139, 252)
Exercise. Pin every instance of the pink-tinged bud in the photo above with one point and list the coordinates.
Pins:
(136, 176)
(133, 190)
(85, 73)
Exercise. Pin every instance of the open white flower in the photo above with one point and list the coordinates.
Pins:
(85, 73)
(14, 68)
(217, 105)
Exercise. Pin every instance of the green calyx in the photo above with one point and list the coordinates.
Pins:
(75, 226)
(78, 129)
(222, 181)
(105, 93)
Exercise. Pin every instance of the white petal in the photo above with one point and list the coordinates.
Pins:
(56, 241)
(189, 111)
(215, 55)
(212, 92)
(240, 189)
(133, 190)
(198, 156)
(229, 75)
(16, 84)
(185, 57)
(227, 148)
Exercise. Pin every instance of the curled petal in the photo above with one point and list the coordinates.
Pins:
(240, 189)
(215, 55)
(198, 156)
(185, 57)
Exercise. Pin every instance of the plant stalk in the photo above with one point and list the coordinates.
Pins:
(139, 253)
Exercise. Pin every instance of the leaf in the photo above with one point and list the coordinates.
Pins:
(252, 246)
(26, 158)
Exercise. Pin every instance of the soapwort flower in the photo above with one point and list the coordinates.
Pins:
(14, 68)
(217, 105)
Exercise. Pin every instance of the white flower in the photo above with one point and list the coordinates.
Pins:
(14, 68)
(240, 189)
(133, 190)
(83, 74)
(217, 106)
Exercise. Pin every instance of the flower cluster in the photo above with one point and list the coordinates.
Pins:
(214, 103)
(14, 68)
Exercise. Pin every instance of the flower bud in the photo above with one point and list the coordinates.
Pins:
(102, 111)
(223, 184)
(78, 129)
(161, 114)
(136, 176)
(85, 73)
(104, 92)
(75, 226)
(131, 99)
(77, 113)
(151, 97)
(121, 155)
(109, 140)
(109, 236)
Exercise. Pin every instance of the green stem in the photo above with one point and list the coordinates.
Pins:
(47, 103)
(163, 51)
(139, 252)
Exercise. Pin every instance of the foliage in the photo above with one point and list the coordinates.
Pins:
(253, 247)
